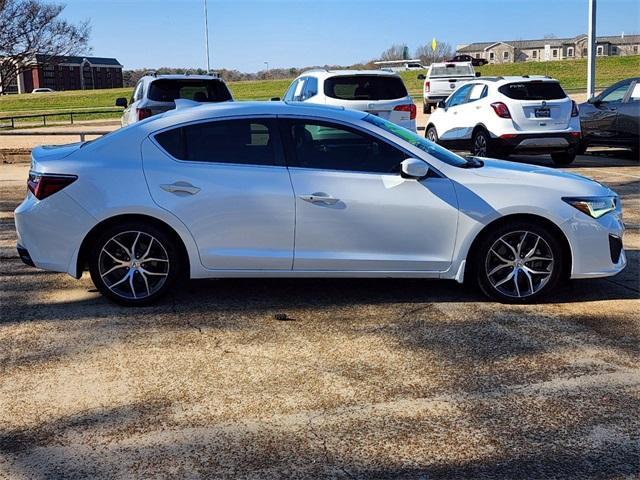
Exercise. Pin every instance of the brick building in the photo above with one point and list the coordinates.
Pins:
(548, 49)
(70, 73)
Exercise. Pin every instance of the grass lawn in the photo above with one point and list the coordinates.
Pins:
(571, 73)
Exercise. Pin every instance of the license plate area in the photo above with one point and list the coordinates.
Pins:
(542, 112)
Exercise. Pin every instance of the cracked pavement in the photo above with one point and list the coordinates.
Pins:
(365, 379)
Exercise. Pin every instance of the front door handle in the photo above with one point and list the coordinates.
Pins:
(319, 197)
(180, 187)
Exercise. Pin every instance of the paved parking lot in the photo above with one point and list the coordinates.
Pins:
(406, 379)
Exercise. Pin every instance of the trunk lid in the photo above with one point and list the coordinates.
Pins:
(45, 159)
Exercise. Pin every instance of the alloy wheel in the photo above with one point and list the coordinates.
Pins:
(431, 135)
(133, 265)
(519, 264)
(480, 146)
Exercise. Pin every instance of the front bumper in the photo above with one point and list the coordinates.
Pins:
(596, 245)
(538, 142)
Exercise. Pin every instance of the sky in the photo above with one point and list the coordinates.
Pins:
(243, 34)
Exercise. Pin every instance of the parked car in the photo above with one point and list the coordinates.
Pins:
(476, 62)
(154, 94)
(378, 92)
(503, 115)
(442, 79)
(267, 189)
(613, 117)
(43, 90)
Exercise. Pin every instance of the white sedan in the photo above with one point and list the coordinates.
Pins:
(276, 190)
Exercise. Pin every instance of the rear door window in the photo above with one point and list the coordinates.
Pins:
(533, 91)
(229, 141)
(365, 87)
(169, 90)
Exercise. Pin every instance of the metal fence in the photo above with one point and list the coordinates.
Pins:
(11, 120)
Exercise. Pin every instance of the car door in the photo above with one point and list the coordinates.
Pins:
(354, 212)
(453, 123)
(601, 123)
(628, 118)
(227, 182)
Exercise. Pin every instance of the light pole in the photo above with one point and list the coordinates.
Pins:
(591, 51)
(267, 65)
(206, 34)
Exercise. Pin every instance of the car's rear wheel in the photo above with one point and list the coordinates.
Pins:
(519, 262)
(431, 134)
(481, 144)
(564, 158)
(426, 108)
(134, 264)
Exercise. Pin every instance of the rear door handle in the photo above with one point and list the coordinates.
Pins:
(319, 198)
(180, 187)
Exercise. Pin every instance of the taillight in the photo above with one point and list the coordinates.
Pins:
(409, 107)
(427, 86)
(501, 110)
(45, 185)
(143, 113)
(574, 109)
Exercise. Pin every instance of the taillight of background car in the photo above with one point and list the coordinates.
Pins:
(143, 113)
(574, 109)
(409, 107)
(501, 110)
(427, 86)
(45, 185)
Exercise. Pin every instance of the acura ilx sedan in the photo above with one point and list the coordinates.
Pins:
(297, 190)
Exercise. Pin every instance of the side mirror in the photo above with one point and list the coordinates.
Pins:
(121, 102)
(478, 74)
(442, 104)
(275, 99)
(413, 168)
(422, 76)
(594, 101)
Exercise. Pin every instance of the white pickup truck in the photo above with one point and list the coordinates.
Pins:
(442, 79)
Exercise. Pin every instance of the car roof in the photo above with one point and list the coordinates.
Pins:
(175, 76)
(193, 111)
(323, 73)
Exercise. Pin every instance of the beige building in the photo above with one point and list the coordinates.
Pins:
(549, 49)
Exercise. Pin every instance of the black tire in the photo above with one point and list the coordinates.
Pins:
(431, 134)
(426, 108)
(564, 158)
(582, 148)
(144, 281)
(491, 248)
(481, 144)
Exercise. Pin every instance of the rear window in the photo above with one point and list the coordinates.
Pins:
(533, 91)
(365, 87)
(168, 90)
(451, 70)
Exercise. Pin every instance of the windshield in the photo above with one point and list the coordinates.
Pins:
(451, 70)
(365, 87)
(168, 90)
(422, 143)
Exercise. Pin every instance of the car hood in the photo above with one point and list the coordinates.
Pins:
(544, 177)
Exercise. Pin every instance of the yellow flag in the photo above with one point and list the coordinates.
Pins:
(434, 44)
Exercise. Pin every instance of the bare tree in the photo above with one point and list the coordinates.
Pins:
(427, 55)
(394, 52)
(30, 27)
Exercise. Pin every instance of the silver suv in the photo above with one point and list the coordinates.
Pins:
(155, 94)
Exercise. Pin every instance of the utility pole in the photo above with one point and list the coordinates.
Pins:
(206, 34)
(591, 51)
(267, 64)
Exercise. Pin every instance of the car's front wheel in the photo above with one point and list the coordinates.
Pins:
(431, 134)
(518, 262)
(133, 263)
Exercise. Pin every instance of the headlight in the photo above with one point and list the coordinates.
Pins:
(595, 207)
